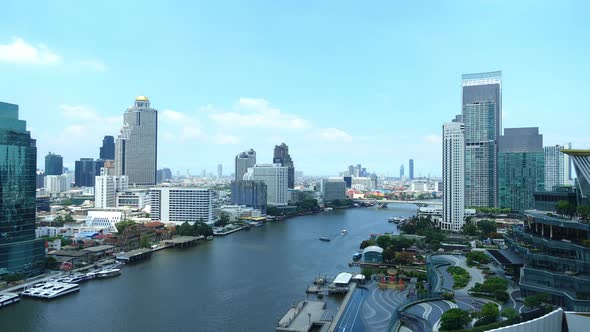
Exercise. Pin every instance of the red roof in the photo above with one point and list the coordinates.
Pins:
(102, 236)
(154, 224)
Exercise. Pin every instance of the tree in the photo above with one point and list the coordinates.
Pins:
(400, 243)
(510, 313)
(384, 241)
(200, 228)
(367, 243)
(478, 257)
(489, 313)
(223, 220)
(535, 301)
(51, 263)
(470, 229)
(144, 241)
(273, 211)
(454, 319)
(404, 257)
(584, 212)
(487, 227)
(123, 224)
(388, 254)
(67, 202)
(57, 221)
(367, 273)
(184, 229)
(69, 219)
(565, 208)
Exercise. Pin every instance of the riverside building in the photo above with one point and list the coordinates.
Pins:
(453, 176)
(275, 177)
(20, 252)
(180, 204)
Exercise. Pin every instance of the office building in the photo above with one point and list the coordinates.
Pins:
(106, 187)
(54, 164)
(521, 168)
(133, 198)
(482, 112)
(557, 170)
(361, 183)
(55, 184)
(238, 212)
(282, 157)
(348, 181)
(333, 189)
(20, 252)
(136, 147)
(219, 171)
(107, 150)
(244, 161)
(249, 193)
(85, 172)
(275, 177)
(39, 181)
(453, 211)
(181, 204)
(411, 169)
(402, 172)
(581, 162)
(164, 175)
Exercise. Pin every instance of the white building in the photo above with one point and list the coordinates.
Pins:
(133, 198)
(105, 188)
(453, 176)
(180, 204)
(105, 220)
(55, 184)
(47, 231)
(275, 177)
(362, 183)
(557, 166)
(236, 212)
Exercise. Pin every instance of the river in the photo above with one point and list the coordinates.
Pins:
(241, 282)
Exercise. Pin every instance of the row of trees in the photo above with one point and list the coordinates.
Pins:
(567, 209)
(196, 229)
(493, 287)
(457, 319)
(484, 228)
(424, 227)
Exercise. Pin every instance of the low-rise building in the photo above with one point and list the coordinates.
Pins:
(237, 212)
(373, 254)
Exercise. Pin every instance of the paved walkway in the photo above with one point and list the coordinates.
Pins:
(379, 306)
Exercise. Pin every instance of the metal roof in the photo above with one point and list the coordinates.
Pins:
(343, 278)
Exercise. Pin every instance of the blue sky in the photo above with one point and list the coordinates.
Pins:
(340, 82)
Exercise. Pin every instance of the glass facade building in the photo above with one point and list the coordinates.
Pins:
(249, 193)
(482, 110)
(20, 252)
(521, 168)
(54, 164)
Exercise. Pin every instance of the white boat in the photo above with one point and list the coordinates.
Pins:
(51, 290)
(344, 232)
(108, 273)
(328, 209)
(8, 298)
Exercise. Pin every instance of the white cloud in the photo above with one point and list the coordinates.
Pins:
(334, 135)
(433, 139)
(21, 52)
(258, 113)
(172, 116)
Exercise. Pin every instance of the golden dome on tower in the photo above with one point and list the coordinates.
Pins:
(142, 98)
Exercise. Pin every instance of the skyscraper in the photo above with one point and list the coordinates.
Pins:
(482, 111)
(20, 252)
(249, 193)
(136, 147)
(453, 176)
(411, 168)
(219, 171)
(164, 175)
(521, 168)
(402, 172)
(275, 177)
(281, 156)
(556, 170)
(106, 187)
(244, 161)
(107, 150)
(54, 164)
(85, 172)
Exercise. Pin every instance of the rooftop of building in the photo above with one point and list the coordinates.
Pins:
(550, 218)
(142, 98)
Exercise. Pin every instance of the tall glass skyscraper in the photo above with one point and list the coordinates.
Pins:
(54, 164)
(136, 148)
(411, 169)
(482, 116)
(521, 168)
(20, 252)
(244, 161)
(107, 150)
(282, 156)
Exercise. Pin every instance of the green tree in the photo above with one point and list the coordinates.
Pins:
(67, 202)
(367, 243)
(584, 212)
(123, 224)
(144, 241)
(200, 228)
(400, 243)
(68, 219)
(389, 254)
(489, 313)
(273, 211)
(565, 208)
(184, 229)
(384, 241)
(367, 272)
(478, 257)
(487, 227)
(223, 220)
(535, 301)
(454, 319)
(51, 263)
(469, 229)
(404, 257)
(57, 221)
(510, 313)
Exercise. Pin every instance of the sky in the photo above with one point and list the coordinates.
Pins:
(340, 82)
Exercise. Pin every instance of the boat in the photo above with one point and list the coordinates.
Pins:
(328, 209)
(381, 205)
(356, 256)
(108, 273)
(325, 238)
(210, 237)
(51, 290)
(391, 219)
(8, 298)
(396, 220)
(344, 232)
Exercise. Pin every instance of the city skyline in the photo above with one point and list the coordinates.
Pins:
(72, 111)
